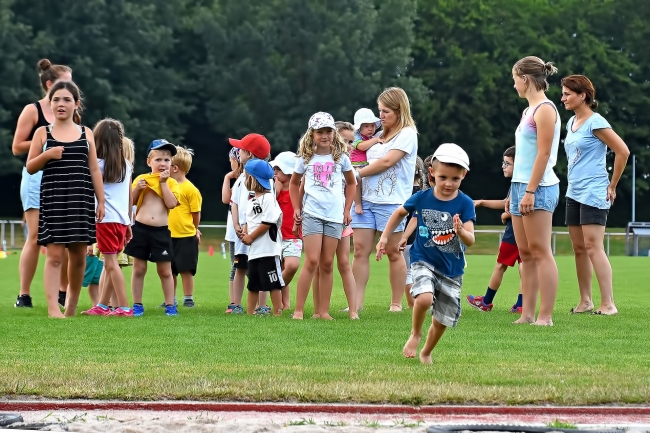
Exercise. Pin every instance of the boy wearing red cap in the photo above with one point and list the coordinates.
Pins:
(250, 147)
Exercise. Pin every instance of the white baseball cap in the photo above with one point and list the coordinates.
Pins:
(322, 120)
(365, 115)
(451, 153)
(285, 161)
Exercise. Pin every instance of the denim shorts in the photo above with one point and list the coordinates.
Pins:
(312, 225)
(375, 216)
(30, 190)
(546, 197)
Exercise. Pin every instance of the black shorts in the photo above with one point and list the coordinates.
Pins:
(150, 243)
(578, 214)
(264, 274)
(240, 261)
(186, 255)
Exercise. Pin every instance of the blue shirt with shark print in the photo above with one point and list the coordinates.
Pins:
(436, 242)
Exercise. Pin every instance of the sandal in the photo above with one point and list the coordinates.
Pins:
(398, 308)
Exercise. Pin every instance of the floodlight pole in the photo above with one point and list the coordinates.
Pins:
(633, 188)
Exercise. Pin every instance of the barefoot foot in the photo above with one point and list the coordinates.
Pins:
(425, 359)
(354, 316)
(395, 308)
(296, 316)
(56, 315)
(411, 346)
(605, 311)
(543, 322)
(315, 316)
(524, 320)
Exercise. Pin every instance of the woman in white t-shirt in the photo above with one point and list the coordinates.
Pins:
(387, 184)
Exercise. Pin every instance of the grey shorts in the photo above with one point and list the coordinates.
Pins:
(446, 292)
(312, 225)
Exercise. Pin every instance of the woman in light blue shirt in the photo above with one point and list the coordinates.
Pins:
(535, 191)
(590, 192)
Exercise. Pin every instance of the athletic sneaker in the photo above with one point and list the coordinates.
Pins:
(138, 310)
(515, 309)
(230, 307)
(96, 311)
(62, 296)
(477, 302)
(163, 305)
(171, 310)
(188, 303)
(119, 312)
(237, 309)
(24, 301)
(262, 311)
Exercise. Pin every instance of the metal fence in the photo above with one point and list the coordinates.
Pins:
(13, 225)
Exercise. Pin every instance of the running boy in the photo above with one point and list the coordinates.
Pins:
(154, 194)
(184, 225)
(445, 226)
(508, 251)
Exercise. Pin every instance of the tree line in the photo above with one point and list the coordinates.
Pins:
(199, 71)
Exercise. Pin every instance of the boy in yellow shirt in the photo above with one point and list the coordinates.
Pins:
(183, 224)
(154, 194)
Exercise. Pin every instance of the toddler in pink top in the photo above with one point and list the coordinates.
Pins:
(366, 125)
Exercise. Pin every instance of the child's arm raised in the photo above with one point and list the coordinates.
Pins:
(96, 175)
(168, 196)
(394, 220)
(350, 189)
(490, 204)
(37, 159)
(464, 231)
(226, 192)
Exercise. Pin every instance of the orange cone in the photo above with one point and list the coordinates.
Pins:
(211, 251)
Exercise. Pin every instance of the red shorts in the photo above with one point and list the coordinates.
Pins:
(508, 254)
(110, 237)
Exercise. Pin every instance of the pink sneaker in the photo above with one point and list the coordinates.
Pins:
(119, 312)
(96, 311)
(515, 310)
(477, 302)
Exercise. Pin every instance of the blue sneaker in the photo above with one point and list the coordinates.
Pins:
(170, 310)
(237, 309)
(138, 310)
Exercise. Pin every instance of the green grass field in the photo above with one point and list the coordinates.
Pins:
(206, 355)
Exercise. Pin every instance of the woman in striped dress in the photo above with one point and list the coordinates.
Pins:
(65, 152)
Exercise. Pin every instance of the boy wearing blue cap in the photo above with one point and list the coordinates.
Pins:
(262, 233)
(154, 194)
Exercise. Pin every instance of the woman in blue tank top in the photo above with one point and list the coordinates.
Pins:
(33, 117)
(590, 192)
(535, 191)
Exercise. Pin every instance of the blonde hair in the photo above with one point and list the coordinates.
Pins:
(306, 146)
(128, 150)
(344, 126)
(536, 69)
(395, 99)
(252, 184)
(183, 158)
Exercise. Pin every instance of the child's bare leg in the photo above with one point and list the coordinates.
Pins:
(326, 266)
(290, 267)
(231, 292)
(312, 248)
(76, 267)
(358, 208)
(410, 300)
(497, 276)
(52, 279)
(175, 278)
(65, 270)
(238, 285)
(422, 305)
(115, 275)
(137, 279)
(251, 302)
(105, 289)
(347, 277)
(433, 336)
(263, 299)
(276, 300)
(188, 283)
(93, 293)
(315, 292)
(165, 273)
